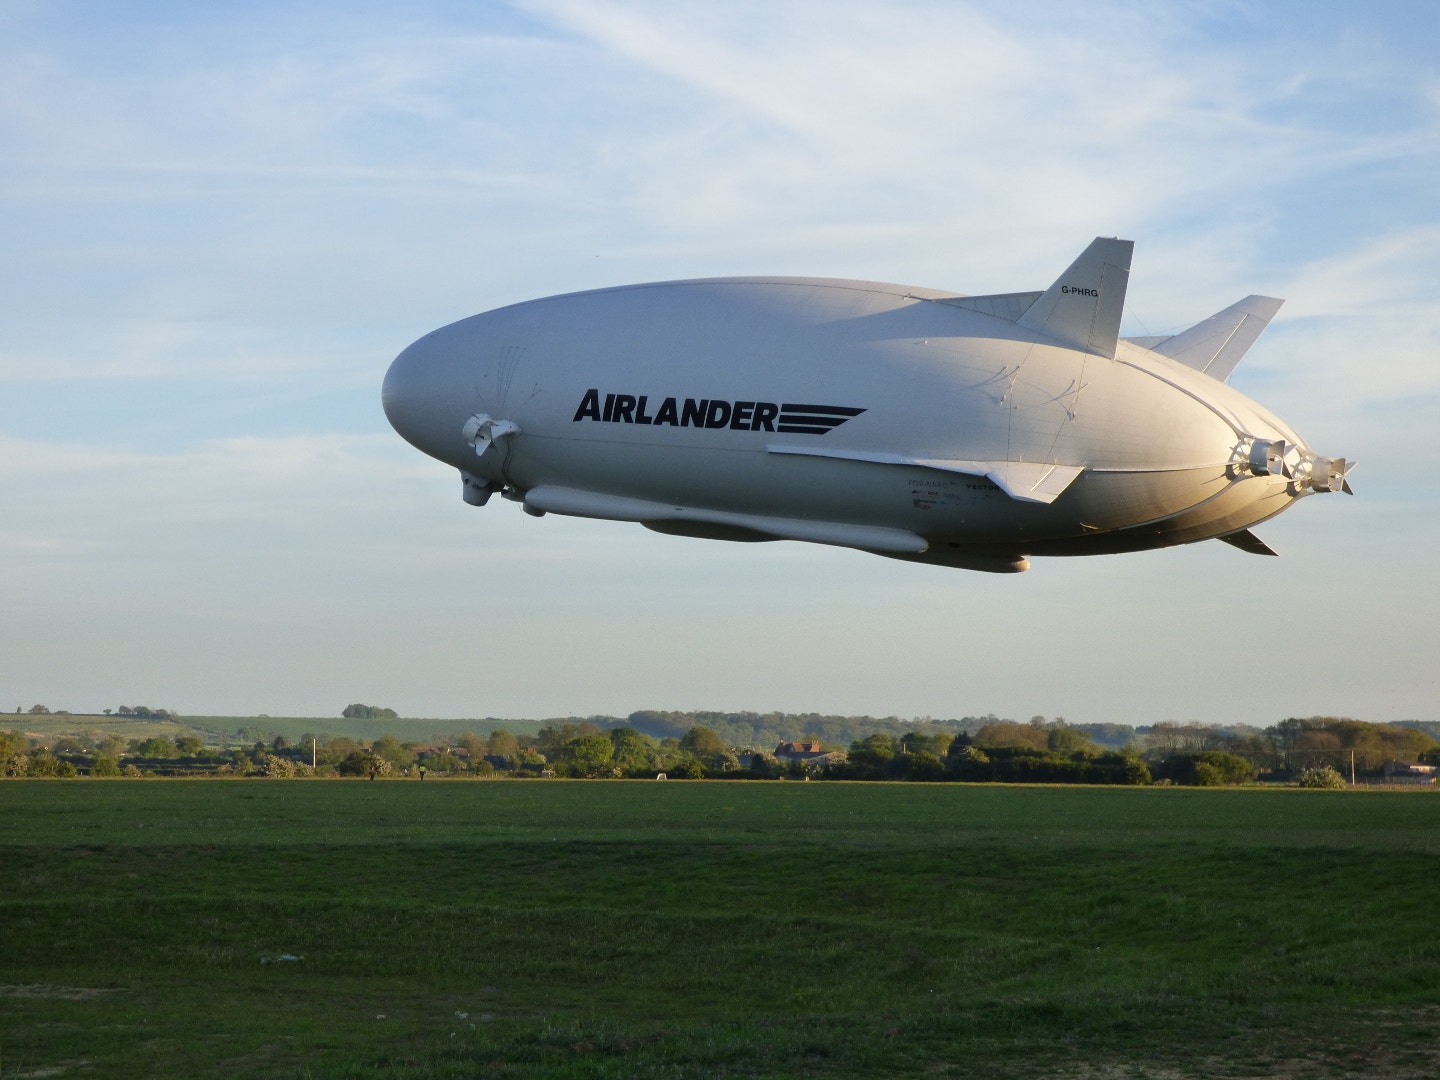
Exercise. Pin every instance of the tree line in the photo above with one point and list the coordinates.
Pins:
(1317, 750)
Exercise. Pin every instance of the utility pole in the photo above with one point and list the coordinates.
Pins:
(315, 742)
(1352, 766)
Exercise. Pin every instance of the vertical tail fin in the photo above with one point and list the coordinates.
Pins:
(1216, 345)
(1083, 307)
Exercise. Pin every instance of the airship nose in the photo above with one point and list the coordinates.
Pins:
(407, 397)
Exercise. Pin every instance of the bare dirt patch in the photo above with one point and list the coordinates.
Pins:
(56, 993)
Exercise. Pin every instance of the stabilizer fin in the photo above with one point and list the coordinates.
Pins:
(1245, 540)
(1008, 306)
(1024, 481)
(1083, 307)
(1216, 345)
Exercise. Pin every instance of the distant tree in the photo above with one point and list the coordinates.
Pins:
(104, 765)
(590, 756)
(1313, 741)
(44, 763)
(872, 754)
(1323, 777)
(39, 710)
(368, 712)
(503, 744)
(278, 743)
(1114, 736)
(475, 745)
(1203, 774)
(1209, 769)
(1009, 733)
(189, 746)
(1136, 771)
(935, 743)
(144, 712)
(634, 751)
(764, 766)
(702, 742)
(725, 763)
(443, 761)
(401, 755)
(967, 762)
(356, 763)
(552, 738)
(333, 751)
(14, 754)
(1067, 740)
(687, 768)
(925, 766)
(157, 747)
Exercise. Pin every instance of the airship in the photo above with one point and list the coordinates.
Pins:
(975, 432)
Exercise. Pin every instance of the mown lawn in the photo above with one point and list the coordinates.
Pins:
(552, 928)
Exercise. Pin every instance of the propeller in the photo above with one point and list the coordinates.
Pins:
(1306, 470)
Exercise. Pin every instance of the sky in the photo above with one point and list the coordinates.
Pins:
(220, 223)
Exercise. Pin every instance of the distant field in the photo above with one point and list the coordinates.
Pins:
(52, 724)
(405, 729)
(619, 929)
(292, 727)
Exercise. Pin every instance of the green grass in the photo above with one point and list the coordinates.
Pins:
(711, 929)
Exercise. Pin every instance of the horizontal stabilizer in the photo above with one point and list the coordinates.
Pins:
(1023, 480)
(1083, 307)
(1008, 306)
(1245, 540)
(720, 524)
(1216, 345)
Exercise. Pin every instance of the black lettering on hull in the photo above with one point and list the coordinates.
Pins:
(714, 413)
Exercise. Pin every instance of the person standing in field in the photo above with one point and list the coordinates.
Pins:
(422, 773)
(372, 770)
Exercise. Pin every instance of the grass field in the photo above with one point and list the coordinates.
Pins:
(642, 929)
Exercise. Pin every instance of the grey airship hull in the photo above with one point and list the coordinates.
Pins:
(963, 431)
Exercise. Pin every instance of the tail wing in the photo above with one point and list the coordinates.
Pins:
(1083, 307)
(1216, 345)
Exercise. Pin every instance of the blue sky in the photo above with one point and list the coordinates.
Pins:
(220, 224)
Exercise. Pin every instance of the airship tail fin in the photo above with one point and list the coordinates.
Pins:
(1217, 344)
(1083, 307)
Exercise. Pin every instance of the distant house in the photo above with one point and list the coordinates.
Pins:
(807, 753)
(1403, 772)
